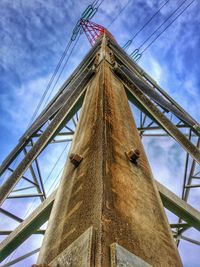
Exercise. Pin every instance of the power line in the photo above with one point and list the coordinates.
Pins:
(147, 39)
(168, 26)
(128, 43)
(50, 81)
(95, 5)
(120, 12)
(56, 180)
(98, 5)
(55, 164)
(67, 59)
(136, 55)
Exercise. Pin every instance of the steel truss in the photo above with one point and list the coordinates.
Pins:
(160, 116)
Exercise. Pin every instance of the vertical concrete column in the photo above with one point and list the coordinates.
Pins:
(110, 197)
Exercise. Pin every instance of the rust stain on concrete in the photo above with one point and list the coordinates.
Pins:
(118, 198)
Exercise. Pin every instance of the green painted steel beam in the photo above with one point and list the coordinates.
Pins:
(41, 214)
(179, 207)
(29, 226)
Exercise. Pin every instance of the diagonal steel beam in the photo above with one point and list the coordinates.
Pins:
(179, 207)
(190, 240)
(21, 258)
(50, 110)
(12, 156)
(41, 214)
(123, 58)
(11, 215)
(134, 91)
(70, 107)
(29, 226)
(155, 96)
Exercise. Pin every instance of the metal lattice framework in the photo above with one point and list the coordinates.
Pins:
(94, 31)
(160, 116)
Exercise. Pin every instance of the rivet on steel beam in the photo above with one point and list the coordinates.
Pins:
(133, 155)
(112, 58)
(96, 61)
(75, 159)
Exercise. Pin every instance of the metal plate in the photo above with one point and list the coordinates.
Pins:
(120, 257)
(78, 254)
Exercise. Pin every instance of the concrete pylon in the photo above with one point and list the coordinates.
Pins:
(107, 210)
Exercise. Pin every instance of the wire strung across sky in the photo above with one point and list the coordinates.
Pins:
(120, 12)
(129, 42)
(51, 81)
(157, 29)
(65, 64)
(94, 7)
(136, 54)
(167, 26)
(90, 11)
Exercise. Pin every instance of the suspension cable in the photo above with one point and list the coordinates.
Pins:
(98, 4)
(67, 59)
(168, 26)
(50, 81)
(129, 42)
(95, 3)
(148, 38)
(120, 12)
(94, 8)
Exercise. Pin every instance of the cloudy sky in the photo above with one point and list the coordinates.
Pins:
(34, 34)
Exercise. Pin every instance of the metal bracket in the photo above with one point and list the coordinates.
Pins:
(121, 257)
(96, 62)
(75, 159)
(133, 155)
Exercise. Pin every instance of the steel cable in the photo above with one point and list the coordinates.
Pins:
(148, 38)
(67, 59)
(96, 4)
(128, 43)
(50, 82)
(167, 26)
(120, 12)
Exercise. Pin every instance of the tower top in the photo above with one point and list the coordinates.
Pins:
(94, 31)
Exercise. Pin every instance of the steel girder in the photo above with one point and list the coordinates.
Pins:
(41, 214)
(184, 211)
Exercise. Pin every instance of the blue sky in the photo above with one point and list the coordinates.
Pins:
(34, 34)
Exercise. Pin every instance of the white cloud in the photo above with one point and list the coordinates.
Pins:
(55, 27)
(19, 108)
(153, 68)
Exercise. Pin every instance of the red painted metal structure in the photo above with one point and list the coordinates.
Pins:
(93, 31)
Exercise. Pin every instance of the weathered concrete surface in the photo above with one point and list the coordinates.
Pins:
(106, 191)
(79, 253)
(121, 257)
(78, 203)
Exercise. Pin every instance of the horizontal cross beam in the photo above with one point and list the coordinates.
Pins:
(41, 214)
(29, 226)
